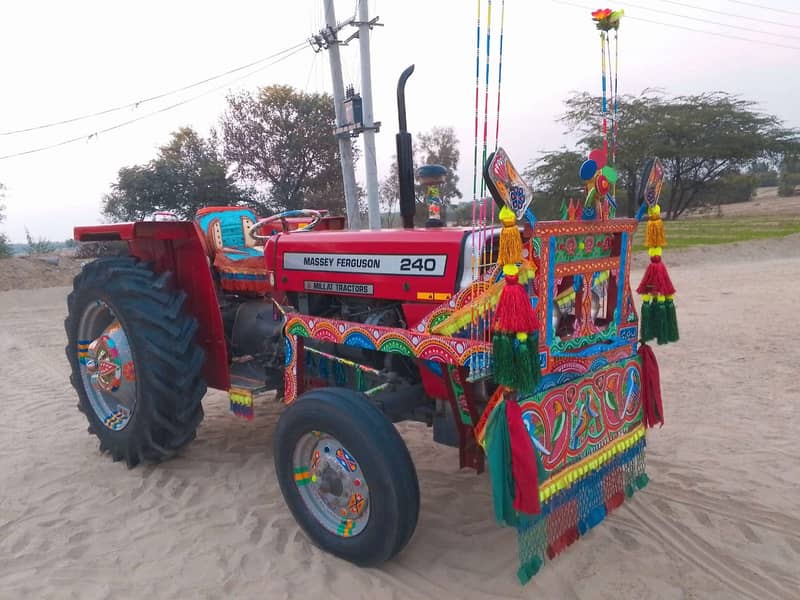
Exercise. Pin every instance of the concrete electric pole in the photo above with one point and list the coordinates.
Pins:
(345, 149)
(369, 126)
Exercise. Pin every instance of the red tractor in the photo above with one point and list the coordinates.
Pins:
(344, 325)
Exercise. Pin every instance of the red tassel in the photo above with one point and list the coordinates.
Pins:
(656, 279)
(652, 408)
(523, 462)
(514, 313)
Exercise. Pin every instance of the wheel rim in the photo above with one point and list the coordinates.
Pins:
(331, 484)
(106, 365)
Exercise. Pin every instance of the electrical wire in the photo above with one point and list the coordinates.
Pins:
(674, 26)
(762, 7)
(710, 22)
(95, 134)
(734, 16)
(138, 103)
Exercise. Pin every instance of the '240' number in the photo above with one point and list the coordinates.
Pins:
(418, 264)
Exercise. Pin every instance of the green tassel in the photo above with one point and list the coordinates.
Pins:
(641, 481)
(523, 369)
(647, 321)
(662, 334)
(529, 569)
(672, 321)
(498, 454)
(503, 359)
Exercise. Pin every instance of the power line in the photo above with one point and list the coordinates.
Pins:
(762, 7)
(727, 14)
(95, 134)
(138, 103)
(710, 22)
(704, 31)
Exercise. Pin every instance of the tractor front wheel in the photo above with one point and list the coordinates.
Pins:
(346, 475)
(135, 364)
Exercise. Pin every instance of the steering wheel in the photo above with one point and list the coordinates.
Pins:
(315, 218)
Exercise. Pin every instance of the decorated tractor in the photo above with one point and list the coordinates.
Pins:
(517, 343)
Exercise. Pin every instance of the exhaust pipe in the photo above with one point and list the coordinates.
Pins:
(405, 156)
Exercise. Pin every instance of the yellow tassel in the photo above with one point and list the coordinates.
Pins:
(510, 250)
(654, 234)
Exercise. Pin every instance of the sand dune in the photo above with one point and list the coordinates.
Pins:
(720, 518)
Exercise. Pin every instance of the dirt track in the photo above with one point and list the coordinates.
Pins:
(719, 520)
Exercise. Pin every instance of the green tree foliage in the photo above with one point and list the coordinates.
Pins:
(281, 140)
(188, 173)
(700, 139)
(439, 146)
(5, 246)
(789, 177)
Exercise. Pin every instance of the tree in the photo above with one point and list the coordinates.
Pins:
(5, 246)
(438, 146)
(700, 139)
(39, 246)
(188, 173)
(554, 178)
(789, 177)
(282, 140)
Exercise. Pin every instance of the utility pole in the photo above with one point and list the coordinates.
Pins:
(369, 126)
(345, 149)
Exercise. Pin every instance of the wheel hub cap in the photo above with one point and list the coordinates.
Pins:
(331, 484)
(107, 368)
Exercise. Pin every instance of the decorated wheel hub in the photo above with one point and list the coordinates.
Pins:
(107, 368)
(331, 484)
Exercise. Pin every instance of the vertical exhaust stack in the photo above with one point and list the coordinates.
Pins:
(405, 156)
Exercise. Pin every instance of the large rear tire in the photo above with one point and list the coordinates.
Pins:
(135, 364)
(346, 475)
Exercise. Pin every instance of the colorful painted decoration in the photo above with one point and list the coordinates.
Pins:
(512, 190)
(653, 175)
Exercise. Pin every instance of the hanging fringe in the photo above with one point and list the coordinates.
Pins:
(654, 234)
(652, 408)
(510, 249)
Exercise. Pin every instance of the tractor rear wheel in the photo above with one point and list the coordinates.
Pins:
(134, 361)
(346, 475)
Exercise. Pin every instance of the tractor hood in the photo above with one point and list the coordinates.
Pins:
(415, 265)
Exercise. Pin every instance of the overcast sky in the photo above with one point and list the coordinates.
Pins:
(66, 59)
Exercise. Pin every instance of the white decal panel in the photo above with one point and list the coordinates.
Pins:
(426, 265)
(336, 287)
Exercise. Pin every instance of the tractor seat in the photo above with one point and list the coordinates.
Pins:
(236, 257)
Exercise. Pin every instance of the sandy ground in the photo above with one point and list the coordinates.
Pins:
(720, 519)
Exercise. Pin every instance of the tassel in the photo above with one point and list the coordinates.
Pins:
(656, 279)
(523, 462)
(672, 320)
(647, 331)
(514, 313)
(498, 453)
(503, 359)
(654, 234)
(522, 366)
(652, 408)
(662, 334)
(510, 248)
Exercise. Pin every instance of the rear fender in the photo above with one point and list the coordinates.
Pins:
(177, 247)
